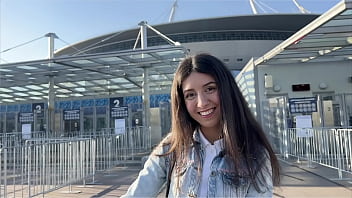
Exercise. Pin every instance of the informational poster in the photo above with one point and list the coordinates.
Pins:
(116, 108)
(38, 109)
(26, 131)
(120, 126)
(303, 105)
(26, 117)
(303, 125)
(71, 114)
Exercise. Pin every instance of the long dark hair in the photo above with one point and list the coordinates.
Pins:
(244, 139)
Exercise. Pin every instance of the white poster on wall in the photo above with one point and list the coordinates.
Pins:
(120, 126)
(303, 125)
(26, 131)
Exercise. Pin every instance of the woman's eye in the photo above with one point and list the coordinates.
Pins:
(210, 89)
(190, 96)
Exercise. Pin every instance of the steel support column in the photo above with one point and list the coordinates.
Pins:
(145, 88)
(51, 91)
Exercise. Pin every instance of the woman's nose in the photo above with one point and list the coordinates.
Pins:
(202, 100)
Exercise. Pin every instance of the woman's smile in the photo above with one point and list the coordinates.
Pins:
(207, 113)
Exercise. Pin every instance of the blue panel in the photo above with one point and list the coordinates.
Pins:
(65, 105)
(76, 104)
(133, 99)
(100, 110)
(57, 107)
(153, 100)
(156, 99)
(88, 111)
(12, 108)
(2, 108)
(87, 103)
(25, 107)
(101, 102)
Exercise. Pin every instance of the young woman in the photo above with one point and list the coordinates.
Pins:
(216, 148)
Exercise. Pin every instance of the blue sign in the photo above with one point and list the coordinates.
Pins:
(116, 108)
(26, 117)
(303, 105)
(38, 109)
(71, 114)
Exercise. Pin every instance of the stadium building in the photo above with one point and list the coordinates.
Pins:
(134, 69)
(233, 39)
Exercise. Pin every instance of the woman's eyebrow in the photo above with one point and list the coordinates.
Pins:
(185, 90)
(211, 82)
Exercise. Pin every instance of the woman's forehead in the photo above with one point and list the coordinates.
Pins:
(197, 79)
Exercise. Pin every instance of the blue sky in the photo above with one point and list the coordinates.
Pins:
(73, 21)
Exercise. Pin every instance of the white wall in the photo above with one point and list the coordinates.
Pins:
(230, 51)
(334, 74)
(155, 126)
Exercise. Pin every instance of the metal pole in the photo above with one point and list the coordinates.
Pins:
(343, 110)
(146, 96)
(320, 104)
(145, 89)
(51, 93)
(5, 172)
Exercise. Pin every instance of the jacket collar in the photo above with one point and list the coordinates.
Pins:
(196, 136)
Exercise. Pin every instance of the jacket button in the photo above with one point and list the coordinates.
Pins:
(213, 173)
(192, 194)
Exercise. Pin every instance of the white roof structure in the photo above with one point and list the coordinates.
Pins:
(327, 38)
(90, 75)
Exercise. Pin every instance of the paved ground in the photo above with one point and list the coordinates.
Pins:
(298, 180)
(301, 180)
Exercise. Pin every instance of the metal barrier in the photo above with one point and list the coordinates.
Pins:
(329, 147)
(35, 166)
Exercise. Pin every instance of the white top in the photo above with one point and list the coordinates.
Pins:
(210, 151)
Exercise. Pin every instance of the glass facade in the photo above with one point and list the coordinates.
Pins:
(246, 84)
(91, 115)
(197, 37)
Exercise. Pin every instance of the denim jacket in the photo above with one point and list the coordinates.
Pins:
(223, 181)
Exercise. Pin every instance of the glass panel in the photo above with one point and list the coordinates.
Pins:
(58, 127)
(27, 67)
(119, 80)
(82, 61)
(347, 12)
(344, 22)
(39, 124)
(19, 88)
(68, 84)
(2, 122)
(348, 107)
(101, 118)
(88, 121)
(139, 56)
(113, 60)
(10, 122)
(5, 90)
(165, 118)
(324, 117)
(71, 128)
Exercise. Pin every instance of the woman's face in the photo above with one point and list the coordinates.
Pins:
(201, 96)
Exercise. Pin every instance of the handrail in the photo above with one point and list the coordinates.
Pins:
(43, 163)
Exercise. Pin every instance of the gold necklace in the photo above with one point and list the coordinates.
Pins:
(220, 136)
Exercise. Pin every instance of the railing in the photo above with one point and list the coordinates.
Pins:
(328, 147)
(42, 163)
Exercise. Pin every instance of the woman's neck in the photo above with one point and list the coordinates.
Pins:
(212, 134)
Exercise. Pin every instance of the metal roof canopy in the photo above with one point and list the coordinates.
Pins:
(327, 38)
(116, 73)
